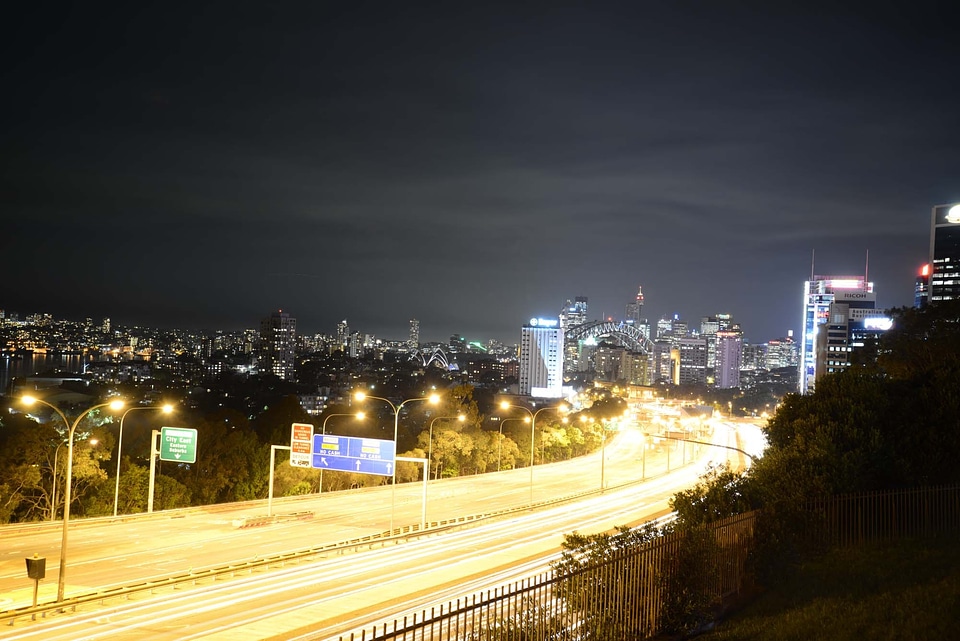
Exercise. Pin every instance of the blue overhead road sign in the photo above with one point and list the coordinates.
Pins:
(352, 454)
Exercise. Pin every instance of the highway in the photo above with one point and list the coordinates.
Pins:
(341, 592)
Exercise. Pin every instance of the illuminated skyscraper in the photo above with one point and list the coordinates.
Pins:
(573, 314)
(634, 312)
(857, 300)
(278, 334)
(921, 290)
(413, 342)
(729, 358)
(541, 359)
(945, 253)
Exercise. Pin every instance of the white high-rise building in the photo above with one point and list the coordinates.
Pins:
(818, 295)
(729, 358)
(413, 343)
(541, 359)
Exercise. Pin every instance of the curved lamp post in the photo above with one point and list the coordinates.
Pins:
(71, 429)
(533, 427)
(459, 417)
(323, 430)
(525, 419)
(53, 493)
(433, 399)
(166, 409)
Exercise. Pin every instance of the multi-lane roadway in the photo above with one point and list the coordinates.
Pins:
(338, 592)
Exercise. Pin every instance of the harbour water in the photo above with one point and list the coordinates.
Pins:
(30, 364)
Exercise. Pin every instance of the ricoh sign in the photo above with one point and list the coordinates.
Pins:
(854, 296)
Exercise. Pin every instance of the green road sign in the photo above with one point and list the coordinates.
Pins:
(178, 444)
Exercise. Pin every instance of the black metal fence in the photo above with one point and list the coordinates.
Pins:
(619, 596)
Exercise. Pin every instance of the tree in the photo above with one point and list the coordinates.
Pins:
(273, 424)
(27, 451)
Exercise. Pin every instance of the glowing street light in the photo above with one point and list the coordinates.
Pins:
(71, 429)
(166, 409)
(433, 399)
(533, 428)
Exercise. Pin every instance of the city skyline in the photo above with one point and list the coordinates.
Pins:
(471, 167)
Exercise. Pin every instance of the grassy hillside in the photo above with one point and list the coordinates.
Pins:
(906, 590)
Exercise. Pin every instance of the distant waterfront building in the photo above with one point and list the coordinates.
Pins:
(278, 339)
(729, 358)
(857, 300)
(945, 253)
(541, 359)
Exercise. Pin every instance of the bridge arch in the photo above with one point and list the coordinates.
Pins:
(624, 333)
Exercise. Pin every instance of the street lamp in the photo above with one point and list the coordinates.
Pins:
(533, 428)
(525, 419)
(323, 431)
(53, 494)
(433, 399)
(166, 409)
(71, 429)
(459, 417)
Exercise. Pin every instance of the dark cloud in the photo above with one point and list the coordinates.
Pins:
(470, 166)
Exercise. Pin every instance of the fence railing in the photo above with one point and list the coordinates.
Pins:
(853, 519)
(618, 597)
(624, 596)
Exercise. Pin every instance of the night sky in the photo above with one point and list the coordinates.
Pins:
(201, 165)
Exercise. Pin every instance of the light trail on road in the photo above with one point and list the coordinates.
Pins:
(342, 592)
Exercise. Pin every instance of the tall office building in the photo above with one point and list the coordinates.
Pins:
(945, 253)
(573, 314)
(541, 359)
(858, 300)
(343, 335)
(634, 311)
(709, 326)
(278, 335)
(729, 358)
(413, 342)
(692, 361)
(921, 288)
(781, 352)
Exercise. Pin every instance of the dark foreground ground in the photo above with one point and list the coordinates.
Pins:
(905, 590)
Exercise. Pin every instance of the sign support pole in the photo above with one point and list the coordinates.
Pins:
(154, 435)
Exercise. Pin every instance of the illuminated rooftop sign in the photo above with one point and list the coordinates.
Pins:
(544, 322)
(953, 215)
(878, 323)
